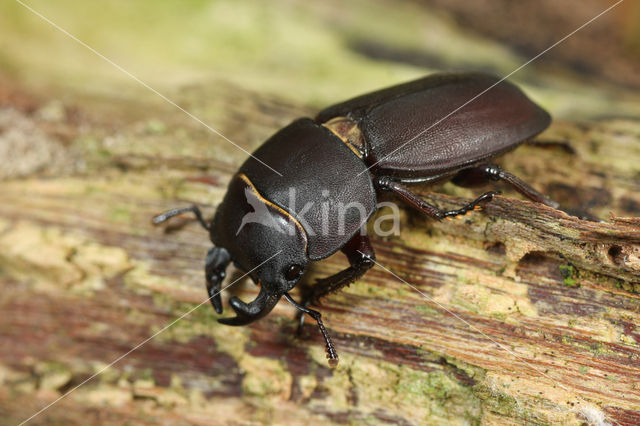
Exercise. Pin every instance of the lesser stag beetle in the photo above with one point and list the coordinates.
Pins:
(347, 156)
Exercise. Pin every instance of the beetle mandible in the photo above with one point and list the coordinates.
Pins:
(347, 156)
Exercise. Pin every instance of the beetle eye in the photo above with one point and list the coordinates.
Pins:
(292, 272)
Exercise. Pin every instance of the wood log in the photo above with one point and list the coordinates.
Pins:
(519, 313)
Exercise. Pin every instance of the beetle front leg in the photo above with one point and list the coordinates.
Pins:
(479, 175)
(163, 217)
(361, 258)
(332, 355)
(421, 205)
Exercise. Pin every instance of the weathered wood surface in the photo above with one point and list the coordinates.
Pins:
(518, 314)
(526, 314)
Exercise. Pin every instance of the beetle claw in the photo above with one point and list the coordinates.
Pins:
(215, 299)
(242, 311)
(214, 289)
(214, 271)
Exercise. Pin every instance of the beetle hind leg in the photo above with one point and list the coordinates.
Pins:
(491, 172)
(421, 205)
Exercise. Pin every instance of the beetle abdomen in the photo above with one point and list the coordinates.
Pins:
(424, 129)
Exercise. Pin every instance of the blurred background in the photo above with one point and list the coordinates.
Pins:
(88, 155)
(315, 53)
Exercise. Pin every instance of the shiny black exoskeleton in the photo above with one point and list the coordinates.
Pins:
(444, 126)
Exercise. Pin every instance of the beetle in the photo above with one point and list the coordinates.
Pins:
(424, 131)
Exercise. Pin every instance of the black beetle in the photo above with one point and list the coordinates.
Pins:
(426, 130)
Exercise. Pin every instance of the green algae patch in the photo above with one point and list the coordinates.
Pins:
(431, 397)
(427, 310)
(203, 322)
(230, 340)
(447, 399)
(155, 127)
(505, 405)
(120, 215)
(265, 377)
(387, 291)
(569, 274)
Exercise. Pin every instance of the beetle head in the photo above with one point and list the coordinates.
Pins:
(261, 238)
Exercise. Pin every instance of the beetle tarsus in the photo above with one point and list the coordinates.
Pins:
(472, 206)
(163, 217)
(332, 355)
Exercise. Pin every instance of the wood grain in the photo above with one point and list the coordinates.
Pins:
(516, 314)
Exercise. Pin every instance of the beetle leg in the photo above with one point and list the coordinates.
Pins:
(332, 355)
(361, 258)
(480, 174)
(429, 209)
(217, 260)
(474, 205)
(163, 217)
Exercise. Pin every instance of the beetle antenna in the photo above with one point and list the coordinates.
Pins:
(332, 355)
(163, 217)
